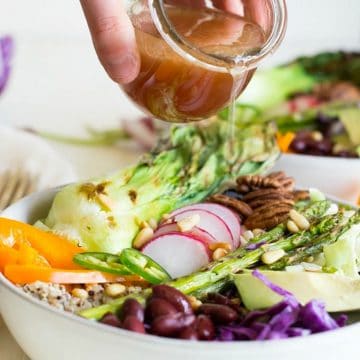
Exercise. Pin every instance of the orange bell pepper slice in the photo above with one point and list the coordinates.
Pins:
(8, 256)
(29, 256)
(27, 274)
(284, 141)
(58, 251)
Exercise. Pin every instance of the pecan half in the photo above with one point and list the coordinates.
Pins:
(287, 184)
(301, 195)
(261, 203)
(272, 194)
(240, 206)
(277, 175)
(276, 180)
(268, 217)
(257, 181)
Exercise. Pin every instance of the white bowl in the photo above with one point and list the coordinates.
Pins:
(336, 176)
(46, 333)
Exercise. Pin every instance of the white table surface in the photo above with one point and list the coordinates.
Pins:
(58, 85)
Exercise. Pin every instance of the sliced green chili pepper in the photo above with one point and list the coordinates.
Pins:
(102, 261)
(143, 266)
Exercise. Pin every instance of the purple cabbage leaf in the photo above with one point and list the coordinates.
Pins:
(6, 51)
(286, 319)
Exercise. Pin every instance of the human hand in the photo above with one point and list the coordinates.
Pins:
(114, 37)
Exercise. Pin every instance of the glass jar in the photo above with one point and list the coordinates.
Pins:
(197, 57)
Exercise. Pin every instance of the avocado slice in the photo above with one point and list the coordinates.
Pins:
(339, 292)
(351, 120)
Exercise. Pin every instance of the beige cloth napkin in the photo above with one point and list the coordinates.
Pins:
(19, 149)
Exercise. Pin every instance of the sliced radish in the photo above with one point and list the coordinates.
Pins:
(179, 254)
(195, 232)
(302, 102)
(230, 218)
(209, 222)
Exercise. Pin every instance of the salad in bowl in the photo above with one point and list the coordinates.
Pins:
(191, 249)
(314, 101)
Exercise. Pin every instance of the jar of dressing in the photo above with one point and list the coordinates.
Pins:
(198, 56)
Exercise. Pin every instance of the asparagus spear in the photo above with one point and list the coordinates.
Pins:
(219, 271)
(312, 212)
(316, 247)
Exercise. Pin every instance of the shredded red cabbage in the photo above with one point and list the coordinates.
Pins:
(286, 319)
(6, 50)
(254, 246)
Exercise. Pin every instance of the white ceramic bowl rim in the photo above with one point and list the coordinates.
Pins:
(156, 340)
(322, 158)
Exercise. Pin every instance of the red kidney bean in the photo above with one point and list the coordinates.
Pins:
(171, 325)
(189, 333)
(133, 323)
(174, 297)
(298, 145)
(132, 307)
(111, 319)
(225, 300)
(218, 299)
(220, 314)
(204, 327)
(323, 147)
(158, 307)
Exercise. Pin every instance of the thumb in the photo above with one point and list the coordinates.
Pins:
(113, 37)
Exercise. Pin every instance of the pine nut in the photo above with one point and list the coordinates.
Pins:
(300, 220)
(248, 235)
(317, 135)
(143, 237)
(80, 293)
(194, 302)
(143, 224)
(188, 223)
(258, 232)
(292, 227)
(272, 256)
(311, 267)
(165, 217)
(153, 223)
(219, 253)
(115, 290)
(220, 245)
(243, 241)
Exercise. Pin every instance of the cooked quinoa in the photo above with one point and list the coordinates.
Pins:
(71, 299)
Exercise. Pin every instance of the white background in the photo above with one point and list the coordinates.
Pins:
(58, 85)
